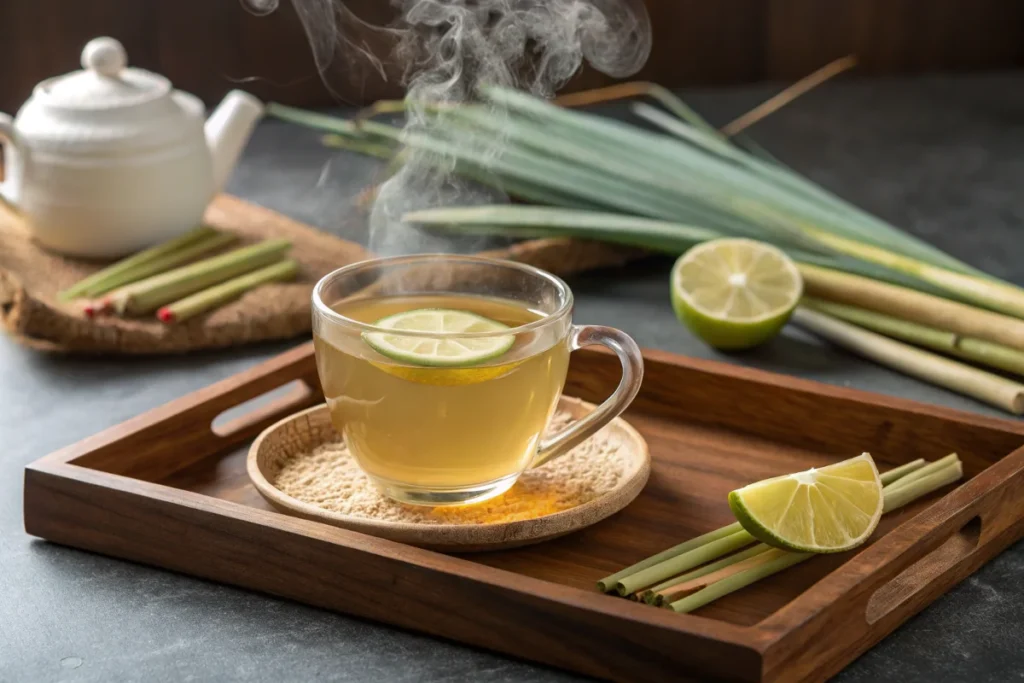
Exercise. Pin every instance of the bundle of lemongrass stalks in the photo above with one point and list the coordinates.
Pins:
(169, 281)
(698, 572)
(876, 290)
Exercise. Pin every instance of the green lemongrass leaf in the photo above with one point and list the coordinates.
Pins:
(696, 202)
(531, 221)
(752, 147)
(877, 231)
(677, 106)
(662, 236)
(594, 130)
(360, 146)
(703, 178)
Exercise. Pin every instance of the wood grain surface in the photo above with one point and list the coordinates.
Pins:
(164, 489)
(209, 47)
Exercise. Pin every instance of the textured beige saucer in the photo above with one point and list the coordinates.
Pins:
(303, 432)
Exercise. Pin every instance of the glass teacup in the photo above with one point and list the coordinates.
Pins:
(426, 427)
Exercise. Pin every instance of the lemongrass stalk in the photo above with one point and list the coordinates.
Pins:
(353, 144)
(887, 478)
(311, 119)
(215, 296)
(150, 294)
(629, 230)
(707, 201)
(936, 480)
(968, 348)
(661, 94)
(166, 262)
(677, 591)
(984, 291)
(607, 584)
(653, 595)
(684, 562)
(664, 236)
(711, 193)
(923, 472)
(647, 194)
(594, 130)
(738, 581)
(984, 386)
(88, 286)
(655, 201)
(890, 476)
(925, 309)
(731, 584)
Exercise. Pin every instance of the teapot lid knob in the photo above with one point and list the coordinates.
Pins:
(105, 56)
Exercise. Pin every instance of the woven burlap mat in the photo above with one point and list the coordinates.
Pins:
(31, 277)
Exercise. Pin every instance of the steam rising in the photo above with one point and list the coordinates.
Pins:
(445, 49)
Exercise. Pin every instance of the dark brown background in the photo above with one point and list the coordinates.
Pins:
(208, 46)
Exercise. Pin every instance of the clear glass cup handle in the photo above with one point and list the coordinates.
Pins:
(632, 375)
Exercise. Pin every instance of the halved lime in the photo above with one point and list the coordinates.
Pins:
(439, 352)
(825, 510)
(735, 293)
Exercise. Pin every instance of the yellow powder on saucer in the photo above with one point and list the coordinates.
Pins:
(330, 478)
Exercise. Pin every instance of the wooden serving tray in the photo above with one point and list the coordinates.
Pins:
(169, 488)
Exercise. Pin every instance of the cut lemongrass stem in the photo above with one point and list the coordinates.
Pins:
(679, 589)
(897, 473)
(705, 570)
(968, 348)
(918, 489)
(684, 562)
(215, 296)
(912, 305)
(607, 584)
(938, 479)
(924, 365)
(665, 563)
(89, 286)
(166, 262)
(928, 469)
(150, 294)
(780, 561)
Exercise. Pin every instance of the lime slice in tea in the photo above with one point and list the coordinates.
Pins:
(439, 352)
(735, 293)
(825, 510)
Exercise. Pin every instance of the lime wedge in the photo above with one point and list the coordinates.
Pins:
(825, 510)
(439, 352)
(735, 293)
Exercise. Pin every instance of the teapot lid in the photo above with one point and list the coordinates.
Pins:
(105, 82)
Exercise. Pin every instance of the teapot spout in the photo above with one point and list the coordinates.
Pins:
(16, 163)
(227, 131)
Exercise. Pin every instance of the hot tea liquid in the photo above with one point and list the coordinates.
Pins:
(442, 429)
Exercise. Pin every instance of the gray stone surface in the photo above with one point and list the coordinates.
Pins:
(942, 156)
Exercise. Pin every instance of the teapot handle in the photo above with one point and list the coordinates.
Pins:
(15, 160)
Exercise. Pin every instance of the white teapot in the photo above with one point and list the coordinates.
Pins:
(109, 160)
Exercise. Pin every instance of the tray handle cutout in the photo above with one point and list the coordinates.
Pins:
(264, 409)
(899, 590)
